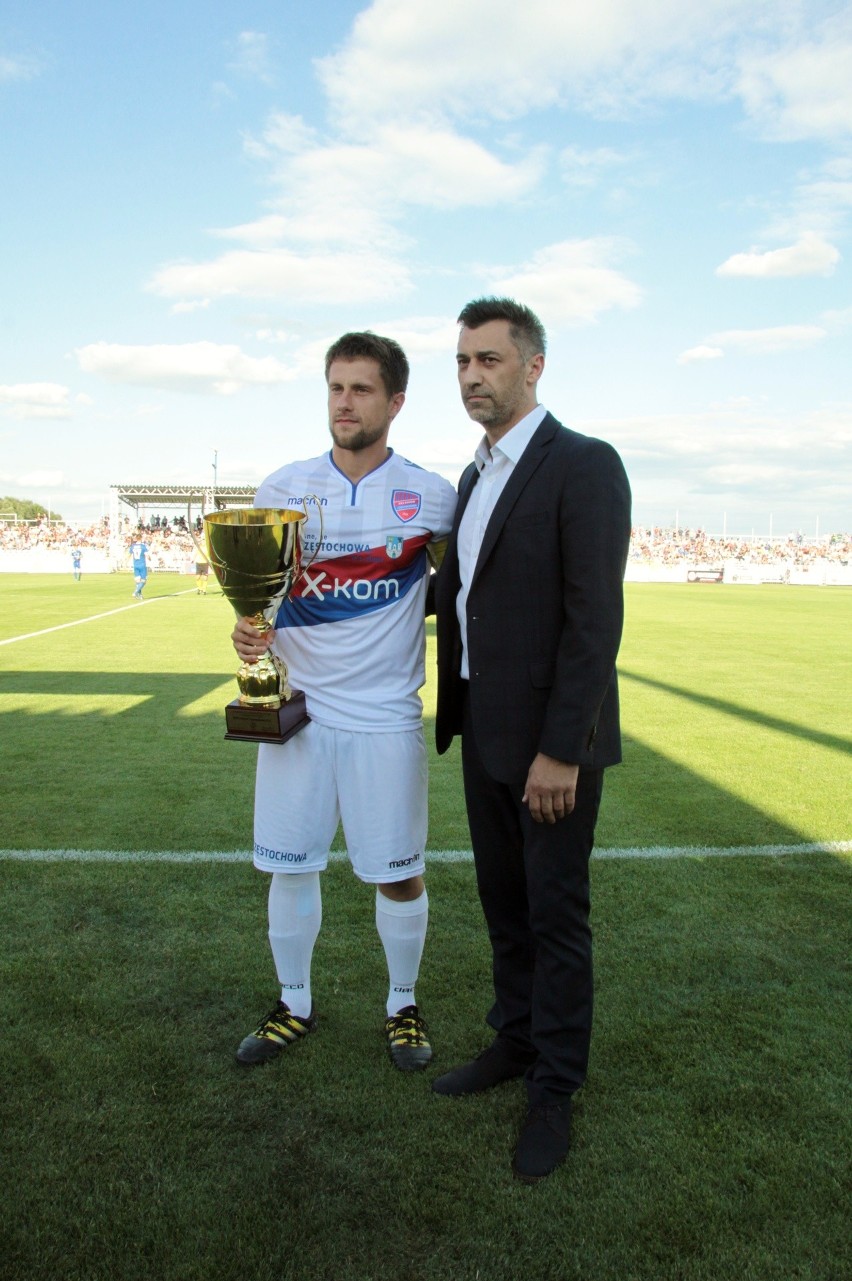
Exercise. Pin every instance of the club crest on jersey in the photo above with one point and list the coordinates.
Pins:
(406, 504)
(393, 546)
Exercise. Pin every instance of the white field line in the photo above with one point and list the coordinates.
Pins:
(432, 856)
(93, 618)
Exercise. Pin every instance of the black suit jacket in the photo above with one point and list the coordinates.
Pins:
(544, 611)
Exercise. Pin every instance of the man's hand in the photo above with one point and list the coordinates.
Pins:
(249, 643)
(550, 790)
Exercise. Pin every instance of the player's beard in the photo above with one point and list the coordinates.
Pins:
(361, 439)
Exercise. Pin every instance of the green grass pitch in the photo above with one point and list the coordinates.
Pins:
(712, 1138)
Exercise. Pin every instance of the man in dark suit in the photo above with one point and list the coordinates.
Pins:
(529, 605)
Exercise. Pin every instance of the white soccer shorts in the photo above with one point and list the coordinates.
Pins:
(376, 784)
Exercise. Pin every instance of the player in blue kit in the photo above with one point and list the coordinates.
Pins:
(138, 554)
(352, 635)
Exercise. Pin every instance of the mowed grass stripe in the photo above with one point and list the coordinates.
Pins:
(735, 731)
(432, 856)
(92, 618)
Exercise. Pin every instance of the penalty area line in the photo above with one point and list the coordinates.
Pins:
(432, 856)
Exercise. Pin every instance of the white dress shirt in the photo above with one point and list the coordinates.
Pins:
(495, 466)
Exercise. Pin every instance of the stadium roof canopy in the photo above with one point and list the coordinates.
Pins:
(203, 497)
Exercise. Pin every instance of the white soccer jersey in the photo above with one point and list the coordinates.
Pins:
(351, 632)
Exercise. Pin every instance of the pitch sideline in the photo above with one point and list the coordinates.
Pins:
(94, 618)
(432, 856)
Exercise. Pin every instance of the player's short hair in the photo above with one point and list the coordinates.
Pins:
(391, 359)
(525, 328)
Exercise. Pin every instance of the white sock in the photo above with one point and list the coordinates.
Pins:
(402, 929)
(295, 914)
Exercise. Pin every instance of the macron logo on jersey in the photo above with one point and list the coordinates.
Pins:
(406, 504)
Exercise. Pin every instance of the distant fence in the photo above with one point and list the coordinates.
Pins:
(822, 573)
(38, 560)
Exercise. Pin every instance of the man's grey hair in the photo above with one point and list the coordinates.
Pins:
(525, 328)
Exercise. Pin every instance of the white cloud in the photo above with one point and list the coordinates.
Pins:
(404, 72)
(35, 400)
(585, 168)
(262, 233)
(789, 68)
(498, 58)
(283, 273)
(838, 319)
(440, 169)
(196, 367)
(733, 457)
(769, 341)
(251, 56)
(699, 353)
(425, 336)
(810, 256)
(345, 203)
(196, 304)
(282, 133)
(820, 204)
(41, 479)
(337, 192)
(18, 67)
(803, 89)
(571, 282)
(280, 336)
(731, 432)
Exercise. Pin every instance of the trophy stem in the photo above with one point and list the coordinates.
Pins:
(264, 683)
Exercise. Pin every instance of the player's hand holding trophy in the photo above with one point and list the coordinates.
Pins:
(256, 554)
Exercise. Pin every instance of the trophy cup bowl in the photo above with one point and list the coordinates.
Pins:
(256, 554)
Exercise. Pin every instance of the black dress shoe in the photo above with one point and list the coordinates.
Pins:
(544, 1141)
(488, 1069)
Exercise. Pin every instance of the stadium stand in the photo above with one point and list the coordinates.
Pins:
(657, 554)
(676, 555)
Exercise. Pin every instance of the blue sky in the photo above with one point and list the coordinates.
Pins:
(196, 199)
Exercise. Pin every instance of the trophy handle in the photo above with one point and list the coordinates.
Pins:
(322, 529)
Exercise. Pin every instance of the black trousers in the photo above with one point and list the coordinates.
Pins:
(533, 881)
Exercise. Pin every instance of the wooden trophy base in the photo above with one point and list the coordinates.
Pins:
(267, 724)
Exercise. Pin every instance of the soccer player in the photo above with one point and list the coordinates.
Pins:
(139, 557)
(77, 563)
(202, 569)
(352, 635)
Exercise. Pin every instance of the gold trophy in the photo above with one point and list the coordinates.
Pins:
(256, 554)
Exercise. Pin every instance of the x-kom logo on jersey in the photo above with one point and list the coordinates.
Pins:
(322, 587)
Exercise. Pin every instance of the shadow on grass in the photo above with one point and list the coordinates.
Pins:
(167, 693)
(740, 712)
(154, 775)
(149, 775)
(651, 800)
